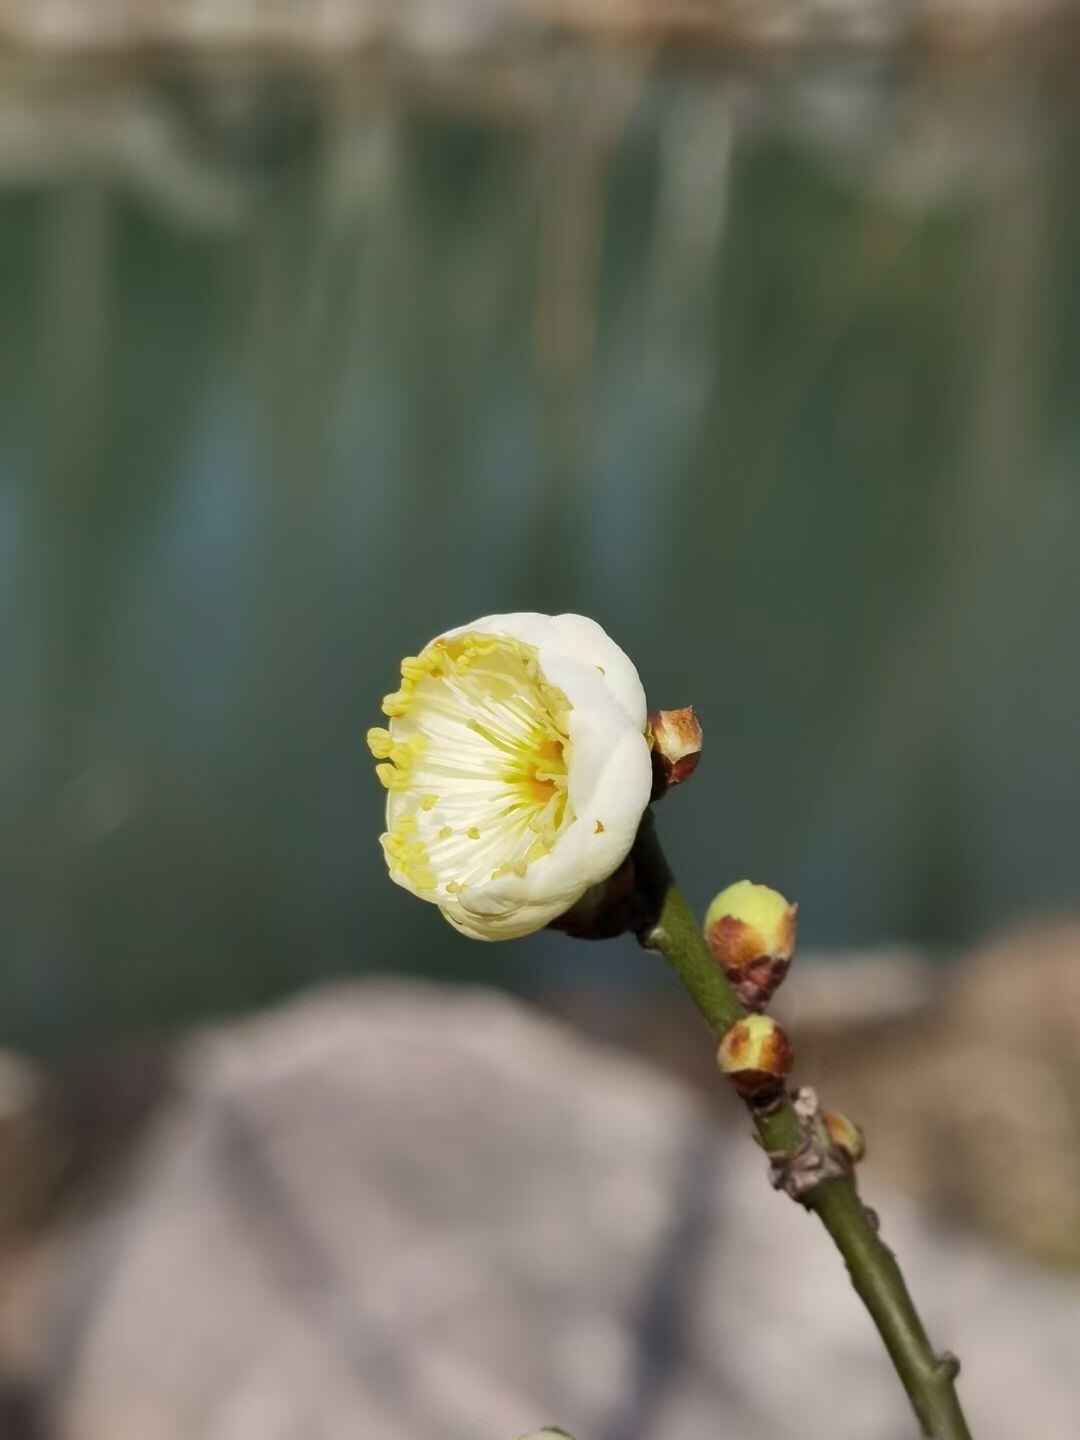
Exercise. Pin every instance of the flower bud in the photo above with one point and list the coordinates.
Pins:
(845, 1135)
(755, 1055)
(676, 739)
(750, 930)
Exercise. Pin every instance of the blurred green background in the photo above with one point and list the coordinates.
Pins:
(772, 370)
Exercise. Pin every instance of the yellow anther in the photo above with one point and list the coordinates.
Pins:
(386, 773)
(473, 832)
(429, 802)
(397, 703)
(446, 832)
(380, 742)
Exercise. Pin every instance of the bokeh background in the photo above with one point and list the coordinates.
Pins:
(755, 336)
(774, 372)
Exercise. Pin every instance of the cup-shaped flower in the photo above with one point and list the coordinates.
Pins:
(517, 769)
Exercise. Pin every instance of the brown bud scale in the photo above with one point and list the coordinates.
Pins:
(736, 947)
(676, 738)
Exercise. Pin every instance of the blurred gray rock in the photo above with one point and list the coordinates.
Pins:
(413, 1214)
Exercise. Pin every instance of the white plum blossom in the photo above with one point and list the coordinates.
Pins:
(517, 767)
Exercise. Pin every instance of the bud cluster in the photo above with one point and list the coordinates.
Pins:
(751, 932)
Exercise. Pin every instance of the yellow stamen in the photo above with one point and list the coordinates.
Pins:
(492, 732)
(380, 742)
(396, 704)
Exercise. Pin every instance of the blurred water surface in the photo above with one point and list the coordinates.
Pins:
(773, 371)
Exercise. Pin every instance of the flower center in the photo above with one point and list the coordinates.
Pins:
(475, 760)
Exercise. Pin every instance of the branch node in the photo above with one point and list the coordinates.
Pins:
(805, 1104)
(814, 1161)
(948, 1366)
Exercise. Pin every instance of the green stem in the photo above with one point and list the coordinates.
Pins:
(672, 930)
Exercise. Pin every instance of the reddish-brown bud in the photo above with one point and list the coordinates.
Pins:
(676, 739)
(755, 1055)
(751, 932)
(845, 1135)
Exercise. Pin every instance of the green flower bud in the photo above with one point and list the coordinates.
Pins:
(755, 1055)
(751, 931)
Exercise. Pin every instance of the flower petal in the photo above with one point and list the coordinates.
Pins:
(575, 635)
(610, 779)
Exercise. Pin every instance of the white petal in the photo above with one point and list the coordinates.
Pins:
(591, 642)
(610, 782)
(575, 635)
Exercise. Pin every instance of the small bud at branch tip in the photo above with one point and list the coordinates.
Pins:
(676, 740)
